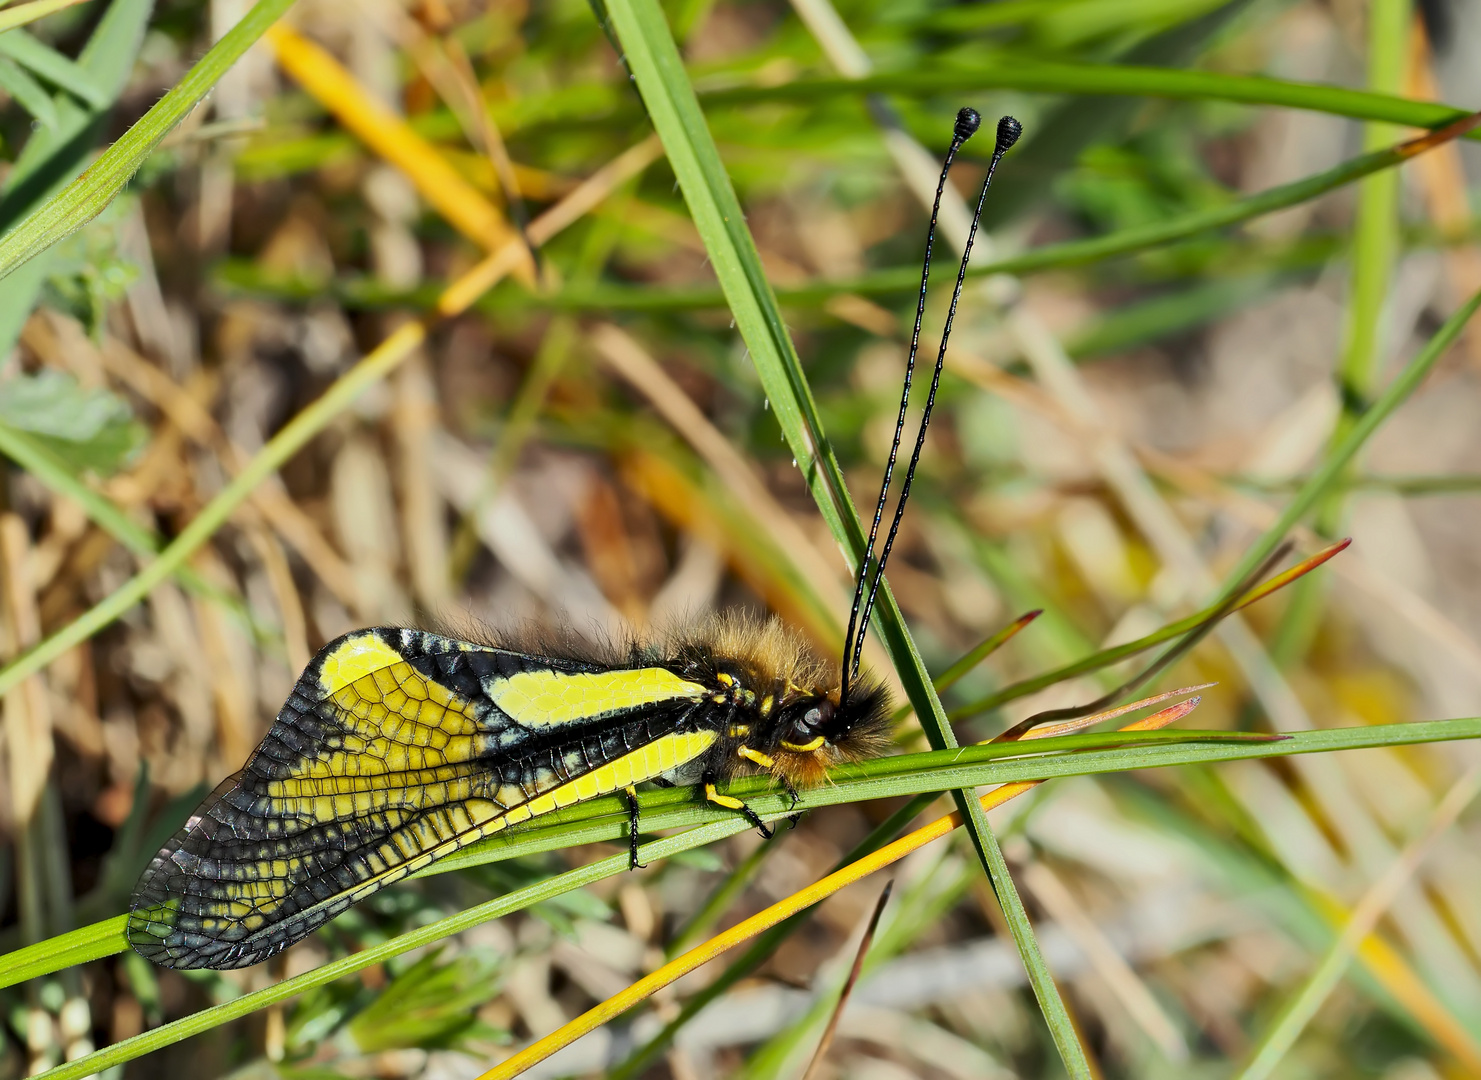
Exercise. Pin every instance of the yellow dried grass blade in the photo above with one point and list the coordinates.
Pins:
(444, 188)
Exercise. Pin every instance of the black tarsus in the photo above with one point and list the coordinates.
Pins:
(755, 819)
(967, 123)
(632, 830)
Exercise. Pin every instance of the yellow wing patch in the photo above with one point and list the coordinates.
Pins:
(353, 658)
(548, 698)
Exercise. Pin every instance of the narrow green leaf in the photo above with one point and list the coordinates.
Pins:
(29, 13)
(81, 945)
(85, 197)
(1050, 77)
(28, 93)
(59, 70)
(54, 154)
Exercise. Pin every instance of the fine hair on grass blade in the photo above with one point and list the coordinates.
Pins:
(848, 985)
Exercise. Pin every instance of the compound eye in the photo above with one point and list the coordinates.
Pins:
(806, 734)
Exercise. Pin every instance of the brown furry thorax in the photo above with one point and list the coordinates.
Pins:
(785, 700)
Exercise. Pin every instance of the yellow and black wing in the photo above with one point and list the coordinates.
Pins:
(397, 747)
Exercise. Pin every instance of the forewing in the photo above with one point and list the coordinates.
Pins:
(395, 748)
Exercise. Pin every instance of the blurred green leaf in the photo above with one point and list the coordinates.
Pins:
(431, 1004)
(64, 73)
(88, 430)
(28, 93)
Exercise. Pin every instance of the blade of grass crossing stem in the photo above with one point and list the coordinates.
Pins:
(1336, 461)
(83, 199)
(376, 365)
(768, 942)
(653, 59)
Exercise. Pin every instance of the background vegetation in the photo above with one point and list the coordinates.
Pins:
(441, 312)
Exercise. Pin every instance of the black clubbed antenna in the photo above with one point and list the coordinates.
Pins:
(967, 123)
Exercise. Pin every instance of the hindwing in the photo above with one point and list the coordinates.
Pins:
(395, 748)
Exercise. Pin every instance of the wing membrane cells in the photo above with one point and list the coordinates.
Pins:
(397, 747)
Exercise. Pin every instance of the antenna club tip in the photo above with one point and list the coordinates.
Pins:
(968, 120)
(1009, 130)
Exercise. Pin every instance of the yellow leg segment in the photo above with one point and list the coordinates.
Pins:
(730, 802)
(757, 756)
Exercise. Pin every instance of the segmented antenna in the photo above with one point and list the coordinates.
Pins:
(967, 123)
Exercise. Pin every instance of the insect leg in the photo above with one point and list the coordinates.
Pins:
(631, 795)
(730, 802)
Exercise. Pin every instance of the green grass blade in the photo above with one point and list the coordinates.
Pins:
(654, 61)
(28, 93)
(83, 199)
(54, 954)
(55, 153)
(51, 65)
(29, 13)
(1049, 77)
